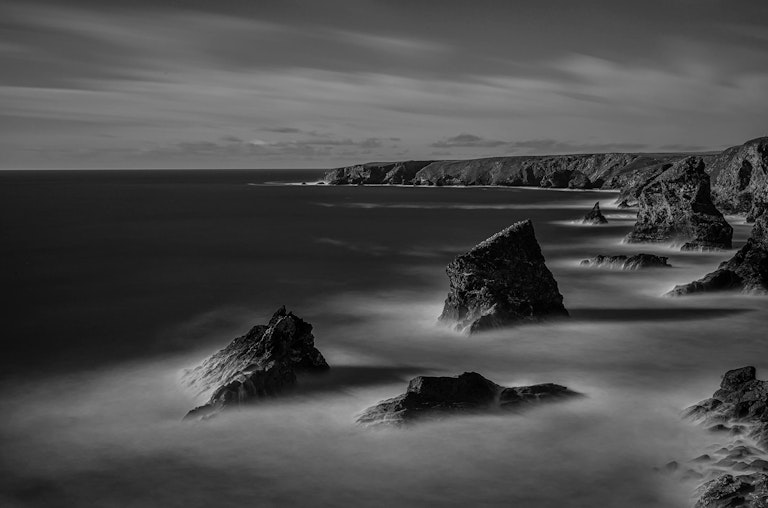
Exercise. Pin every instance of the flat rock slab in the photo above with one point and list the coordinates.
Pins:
(430, 397)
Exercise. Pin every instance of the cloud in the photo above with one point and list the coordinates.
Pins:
(467, 140)
(552, 146)
(284, 130)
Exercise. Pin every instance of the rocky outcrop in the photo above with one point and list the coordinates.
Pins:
(746, 271)
(502, 281)
(594, 216)
(739, 410)
(621, 262)
(676, 207)
(262, 363)
(436, 397)
(740, 176)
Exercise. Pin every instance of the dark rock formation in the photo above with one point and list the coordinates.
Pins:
(434, 397)
(740, 176)
(728, 491)
(501, 281)
(675, 206)
(582, 171)
(262, 363)
(741, 401)
(746, 271)
(739, 407)
(392, 173)
(621, 262)
(594, 216)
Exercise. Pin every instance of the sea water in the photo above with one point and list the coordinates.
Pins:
(116, 281)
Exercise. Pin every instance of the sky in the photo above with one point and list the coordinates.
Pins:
(319, 84)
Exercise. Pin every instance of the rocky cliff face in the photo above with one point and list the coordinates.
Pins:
(581, 171)
(501, 281)
(379, 173)
(676, 206)
(435, 397)
(746, 271)
(740, 176)
(262, 363)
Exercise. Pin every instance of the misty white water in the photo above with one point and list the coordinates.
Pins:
(112, 435)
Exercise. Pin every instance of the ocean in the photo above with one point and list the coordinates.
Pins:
(115, 281)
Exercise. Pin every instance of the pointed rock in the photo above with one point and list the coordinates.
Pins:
(501, 281)
(676, 206)
(746, 271)
(594, 216)
(262, 363)
(431, 397)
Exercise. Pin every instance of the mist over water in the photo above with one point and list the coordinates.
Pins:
(134, 278)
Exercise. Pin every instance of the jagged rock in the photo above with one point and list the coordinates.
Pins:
(501, 281)
(740, 176)
(676, 207)
(742, 400)
(621, 262)
(434, 397)
(594, 216)
(746, 271)
(728, 491)
(262, 363)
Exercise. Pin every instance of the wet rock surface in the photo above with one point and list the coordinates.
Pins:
(733, 471)
(594, 216)
(746, 271)
(622, 262)
(502, 281)
(676, 207)
(260, 364)
(430, 397)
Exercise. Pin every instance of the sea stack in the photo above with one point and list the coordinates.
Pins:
(502, 281)
(262, 363)
(594, 216)
(469, 393)
(746, 271)
(676, 206)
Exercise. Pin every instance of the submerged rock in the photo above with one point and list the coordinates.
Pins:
(746, 271)
(676, 206)
(434, 397)
(501, 281)
(636, 262)
(594, 216)
(262, 363)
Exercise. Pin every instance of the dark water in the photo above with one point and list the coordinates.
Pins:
(114, 281)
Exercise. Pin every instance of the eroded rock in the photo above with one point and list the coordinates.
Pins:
(594, 216)
(469, 393)
(676, 207)
(260, 364)
(502, 281)
(746, 271)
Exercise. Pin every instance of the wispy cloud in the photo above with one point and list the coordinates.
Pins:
(467, 140)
